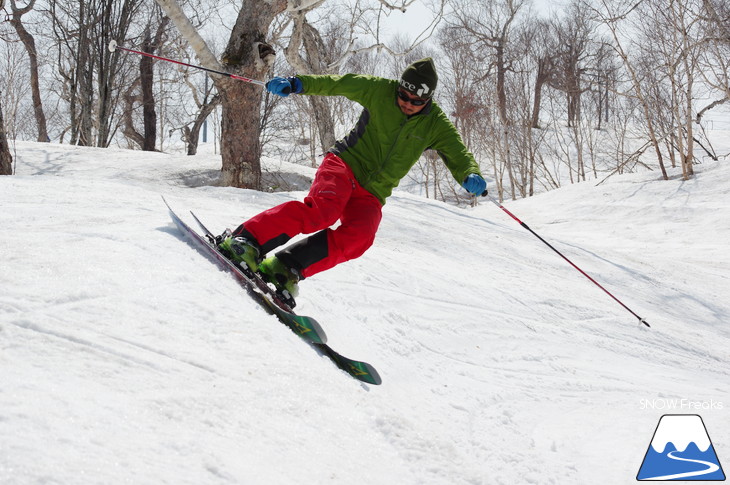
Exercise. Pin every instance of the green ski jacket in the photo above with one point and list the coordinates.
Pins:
(385, 143)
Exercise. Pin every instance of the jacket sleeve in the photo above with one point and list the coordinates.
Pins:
(355, 87)
(450, 147)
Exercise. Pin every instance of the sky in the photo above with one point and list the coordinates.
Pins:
(418, 17)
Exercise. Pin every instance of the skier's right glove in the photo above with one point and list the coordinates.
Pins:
(283, 86)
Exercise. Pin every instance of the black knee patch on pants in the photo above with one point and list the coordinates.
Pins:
(274, 243)
(306, 252)
(265, 247)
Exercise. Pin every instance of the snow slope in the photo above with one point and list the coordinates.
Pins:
(126, 357)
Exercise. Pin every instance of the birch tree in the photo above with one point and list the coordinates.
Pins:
(613, 15)
(716, 55)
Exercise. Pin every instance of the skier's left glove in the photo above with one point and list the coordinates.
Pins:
(283, 86)
(475, 184)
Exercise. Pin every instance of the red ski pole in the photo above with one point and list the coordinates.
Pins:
(565, 258)
(114, 46)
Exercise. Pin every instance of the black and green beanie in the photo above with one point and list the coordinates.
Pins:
(420, 78)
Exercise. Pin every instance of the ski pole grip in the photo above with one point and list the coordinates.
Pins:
(485, 193)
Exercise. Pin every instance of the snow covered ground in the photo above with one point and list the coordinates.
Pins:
(126, 357)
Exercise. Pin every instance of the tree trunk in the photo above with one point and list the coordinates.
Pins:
(6, 160)
(688, 158)
(543, 73)
(128, 117)
(83, 87)
(241, 124)
(149, 115)
(192, 134)
(501, 84)
(246, 54)
(117, 19)
(324, 121)
(314, 47)
(240, 140)
(29, 42)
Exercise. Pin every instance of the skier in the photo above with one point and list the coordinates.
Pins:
(399, 122)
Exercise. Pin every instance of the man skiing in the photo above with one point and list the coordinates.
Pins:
(399, 122)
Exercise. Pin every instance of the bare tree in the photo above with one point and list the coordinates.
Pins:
(30, 46)
(541, 45)
(613, 16)
(533, 61)
(89, 71)
(672, 38)
(146, 75)
(602, 80)
(75, 68)
(6, 159)
(205, 106)
(716, 56)
(717, 13)
(144, 83)
(15, 86)
(490, 29)
(317, 59)
(573, 37)
(248, 54)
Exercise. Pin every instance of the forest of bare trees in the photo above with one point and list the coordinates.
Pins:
(597, 88)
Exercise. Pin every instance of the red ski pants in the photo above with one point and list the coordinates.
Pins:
(334, 195)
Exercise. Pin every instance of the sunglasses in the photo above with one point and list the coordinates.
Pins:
(413, 101)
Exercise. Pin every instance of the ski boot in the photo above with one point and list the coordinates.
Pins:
(242, 251)
(286, 280)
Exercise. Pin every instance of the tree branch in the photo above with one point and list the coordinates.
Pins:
(173, 10)
(710, 106)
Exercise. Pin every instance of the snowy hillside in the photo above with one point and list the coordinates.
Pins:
(126, 357)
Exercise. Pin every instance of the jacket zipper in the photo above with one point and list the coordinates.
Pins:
(387, 157)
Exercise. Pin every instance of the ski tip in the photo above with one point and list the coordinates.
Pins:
(374, 376)
(363, 372)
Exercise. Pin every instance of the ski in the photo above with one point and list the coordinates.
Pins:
(252, 277)
(306, 327)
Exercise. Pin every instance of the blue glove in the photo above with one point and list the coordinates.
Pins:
(282, 86)
(475, 184)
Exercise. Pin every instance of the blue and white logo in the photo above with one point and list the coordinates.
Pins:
(681, 450)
